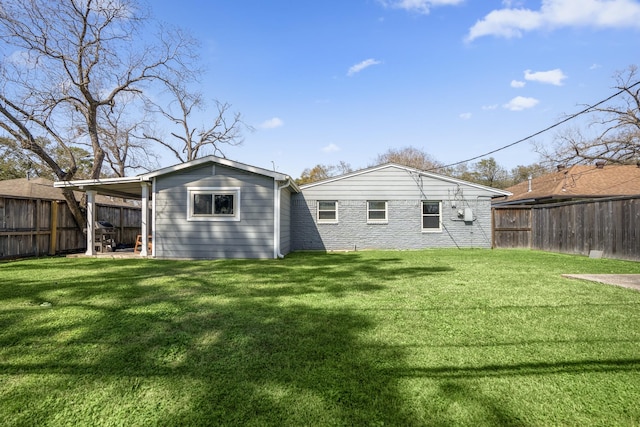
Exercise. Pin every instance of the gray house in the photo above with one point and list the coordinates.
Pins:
(391, 207)
(207, 208)
(217, 208)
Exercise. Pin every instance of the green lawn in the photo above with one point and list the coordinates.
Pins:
(435, 337)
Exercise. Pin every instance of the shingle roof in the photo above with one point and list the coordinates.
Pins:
(580, 181)
(42, 188)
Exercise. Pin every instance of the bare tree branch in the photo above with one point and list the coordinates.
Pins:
(192, 142)
(615, 128)
(67, 65)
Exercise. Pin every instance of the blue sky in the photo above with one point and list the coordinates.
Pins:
(344, 80)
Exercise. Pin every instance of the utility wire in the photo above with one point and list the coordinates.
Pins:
(571, 117)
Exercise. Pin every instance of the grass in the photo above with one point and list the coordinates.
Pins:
(435, 337)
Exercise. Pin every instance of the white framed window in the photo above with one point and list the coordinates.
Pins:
(377, 212)
(431, 215)
(327, 211)
(213, 204)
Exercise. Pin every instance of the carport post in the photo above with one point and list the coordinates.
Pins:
(145, 220)
(91, 222)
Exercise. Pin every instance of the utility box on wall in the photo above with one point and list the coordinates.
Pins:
(468, 215)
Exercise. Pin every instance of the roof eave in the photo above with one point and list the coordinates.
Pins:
(219, 160)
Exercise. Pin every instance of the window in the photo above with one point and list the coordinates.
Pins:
(377, 211)
(213, 204)
(431, 216)
(327, 211)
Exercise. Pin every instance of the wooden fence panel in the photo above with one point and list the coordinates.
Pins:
(125, 220)
(512, 227)
(611, 226)
(25, 226)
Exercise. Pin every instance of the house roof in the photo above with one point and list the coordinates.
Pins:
(496, 191)
(42, 188)
(578, 182)
(131, 186)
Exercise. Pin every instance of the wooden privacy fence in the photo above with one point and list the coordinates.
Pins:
(35, 227)
(608, 225)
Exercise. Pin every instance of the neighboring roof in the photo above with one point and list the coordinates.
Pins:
(496, 191)
(131, 186)
(42, 188)
(578, 182)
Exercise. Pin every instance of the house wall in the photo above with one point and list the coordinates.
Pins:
(285, 221)
(404, 192)
(251, 237)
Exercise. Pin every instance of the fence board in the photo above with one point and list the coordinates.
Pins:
(610, 225)
(25, 227)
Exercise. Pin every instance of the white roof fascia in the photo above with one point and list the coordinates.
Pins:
(100, 181)
(214, 159)
(411, 170)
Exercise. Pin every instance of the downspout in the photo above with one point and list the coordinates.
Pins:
(153, 217)
(276, 217)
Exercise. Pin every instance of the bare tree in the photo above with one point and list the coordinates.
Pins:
(66, 63)
(189, 142)
(320, 172)
(613, 134)
(408, 156)
(125, 147)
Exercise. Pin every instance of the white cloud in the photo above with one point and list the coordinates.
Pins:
(520, 103)
(361, 66)
(552, 77)
(465, 116)
(513, 22)
(595, 66)
(23, 58)
(419, 6)
(518, 83)
(272, 123)
(490, 107)
(331, 148)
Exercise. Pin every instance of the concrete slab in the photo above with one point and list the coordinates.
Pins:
(631, 281)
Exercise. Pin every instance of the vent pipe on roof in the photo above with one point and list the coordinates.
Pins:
(600, 164)
(530, 178)
(560, 167)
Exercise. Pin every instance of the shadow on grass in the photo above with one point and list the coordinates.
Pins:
(227, 342)
(223, 343)
(231, 364)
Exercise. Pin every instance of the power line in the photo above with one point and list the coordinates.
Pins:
(566, 119)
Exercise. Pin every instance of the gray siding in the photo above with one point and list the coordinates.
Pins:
(403, 193)
(251, 237)
(285, 221)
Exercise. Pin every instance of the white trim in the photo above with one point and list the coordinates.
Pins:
(326, 221)
(100, 181)
(225, 162)
(431, 230)
(91, 223)
(386, 212)
(144, 225)
(153, 217)
(235, 191)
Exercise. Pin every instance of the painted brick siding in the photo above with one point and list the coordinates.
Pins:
(403, 230)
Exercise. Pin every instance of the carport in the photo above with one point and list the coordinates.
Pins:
(133, 188)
